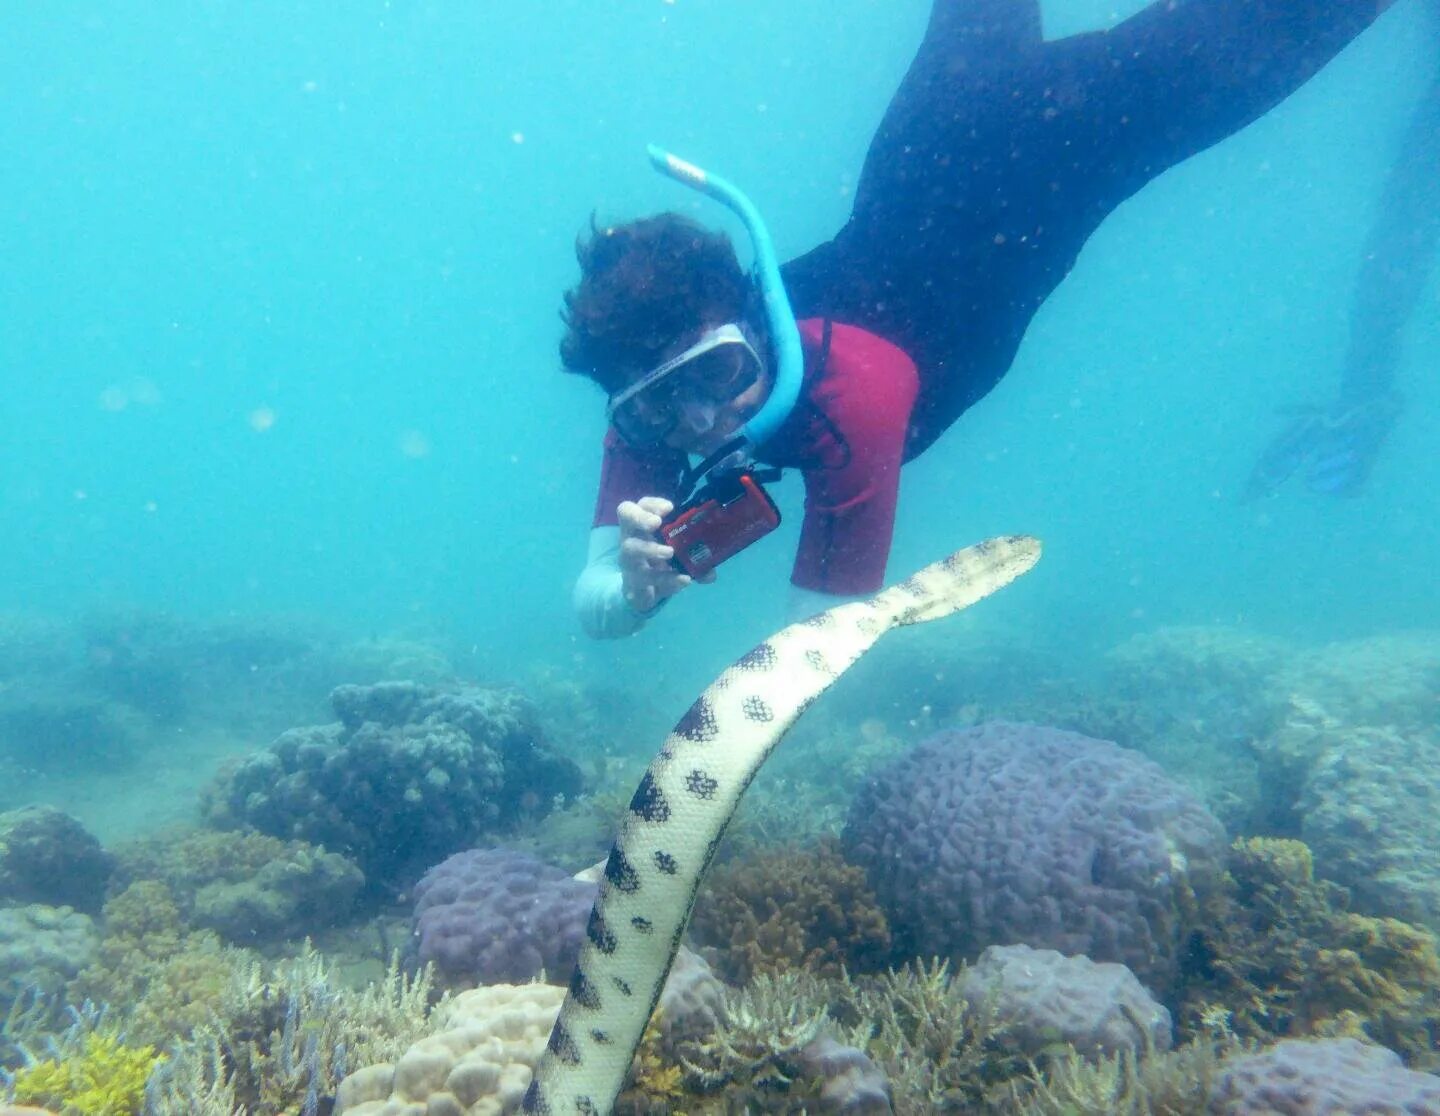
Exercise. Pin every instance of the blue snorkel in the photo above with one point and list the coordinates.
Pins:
(731, 509)
(789, 357)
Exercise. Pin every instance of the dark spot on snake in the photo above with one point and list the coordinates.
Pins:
(816, 660)
(599, 934)
(666, 863)
(621, 873)
(761, 657)
(534, 1102)
(600, 1037)
(562, 1045)
(582, 991)
(701, 785)
(625, 989)
(757, 710)
(698, 724)
(649, 803)
(644, 925)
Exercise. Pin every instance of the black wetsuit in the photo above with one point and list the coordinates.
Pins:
(1001, 153)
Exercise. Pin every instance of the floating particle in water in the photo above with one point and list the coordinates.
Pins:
(261, 419)
(414, 444)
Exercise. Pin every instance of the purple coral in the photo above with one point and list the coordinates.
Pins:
(1316, 1078)
(487, 916)
(1011, 833)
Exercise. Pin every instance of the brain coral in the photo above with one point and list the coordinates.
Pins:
(410, 773)
(1099, 1008)
(1011, 833)
(479, 1064)
(1304, 1078)
(486, 916)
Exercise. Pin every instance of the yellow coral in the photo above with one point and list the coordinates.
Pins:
(792, 908)
(1281, 953)
(103, 1078)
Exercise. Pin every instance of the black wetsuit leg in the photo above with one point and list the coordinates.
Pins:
(1000, 154)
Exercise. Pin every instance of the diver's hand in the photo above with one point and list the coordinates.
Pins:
(1337, 447)
(645, 568)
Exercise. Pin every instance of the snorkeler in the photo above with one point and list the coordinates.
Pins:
(997, 158)
(1336, 445)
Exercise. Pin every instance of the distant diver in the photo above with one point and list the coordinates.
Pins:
(1336, 445)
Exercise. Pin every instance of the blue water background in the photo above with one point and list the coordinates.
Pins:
(278, 317)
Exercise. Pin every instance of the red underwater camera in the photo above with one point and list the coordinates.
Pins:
(729, 513)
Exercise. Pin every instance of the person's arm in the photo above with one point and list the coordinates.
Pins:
(599, 595)
(627, 575)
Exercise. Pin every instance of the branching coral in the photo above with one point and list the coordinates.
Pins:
(789, 909)
(1283, 957)
(1176, 1083)
(166, 980)
(280, 1040)
(94, 1074)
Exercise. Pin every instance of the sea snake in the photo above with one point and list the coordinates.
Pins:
(686, 799)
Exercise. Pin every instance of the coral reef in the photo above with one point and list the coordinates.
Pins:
(773, 1051)
(1386, 681)
(488, 916)
(162, 978)
(791, 908)
(410, 774)
(248, 887)
(282, 1037)
(46, 856)
(1043, 998)
(1175, 1083)
(487, 1043)
(1369, 809)
(99, 1076)
(1278, 955)
(42, 948)
(1016, 833)
(1312, 1078)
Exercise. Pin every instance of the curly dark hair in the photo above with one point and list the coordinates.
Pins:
(642, 285)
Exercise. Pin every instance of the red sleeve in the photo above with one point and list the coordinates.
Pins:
(866, 393)
(628, 474)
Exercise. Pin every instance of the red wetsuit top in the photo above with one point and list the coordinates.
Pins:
(846, 435)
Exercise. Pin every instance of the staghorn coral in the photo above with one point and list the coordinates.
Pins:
(940, 1052)
(1175, 1083)
(1279, 955)
(774, 1052)
(93, 1073)
(282, 1037)
(791, 908)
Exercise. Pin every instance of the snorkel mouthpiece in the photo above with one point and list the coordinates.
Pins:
(784, 334)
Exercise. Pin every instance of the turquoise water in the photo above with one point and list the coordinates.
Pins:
(278, 317)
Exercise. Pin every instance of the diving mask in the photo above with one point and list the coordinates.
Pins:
(721, 365)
